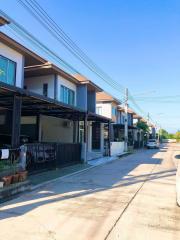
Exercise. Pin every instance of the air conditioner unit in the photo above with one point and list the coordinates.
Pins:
(67, 124)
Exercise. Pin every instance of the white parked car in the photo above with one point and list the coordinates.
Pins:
(152, 143)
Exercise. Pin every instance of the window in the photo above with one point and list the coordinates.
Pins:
(7, 71)
(45, 89)
(81, 132)
(114, 111)
(99, 110)
(67, 95)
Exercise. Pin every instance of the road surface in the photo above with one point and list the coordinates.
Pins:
(131, 198)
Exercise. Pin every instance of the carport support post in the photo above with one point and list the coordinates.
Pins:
(84, 149)
(109, 138)
(16, 121)
(126, 122)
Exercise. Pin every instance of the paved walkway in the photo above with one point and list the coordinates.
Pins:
(103, 160)
(131, 198)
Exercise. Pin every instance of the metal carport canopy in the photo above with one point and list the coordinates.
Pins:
(121, 126)
(97, 118)
(34, 104)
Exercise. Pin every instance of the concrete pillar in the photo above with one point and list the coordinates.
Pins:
(109, 137)
(89, 126)
(40, 129)
(102, 137)
(16, 121)
(84, 144)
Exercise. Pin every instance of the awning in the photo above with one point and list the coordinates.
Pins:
(98, 118)
(34, 104)
(121, 126)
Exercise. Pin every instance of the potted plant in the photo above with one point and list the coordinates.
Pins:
(6, 174)
(7, 180)
(22, 175)
(15, 176)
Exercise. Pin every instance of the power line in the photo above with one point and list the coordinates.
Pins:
(41, 15)
(57, 33)
(21, 31)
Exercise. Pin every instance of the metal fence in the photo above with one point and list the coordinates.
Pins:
(10, 164)
(41, 156)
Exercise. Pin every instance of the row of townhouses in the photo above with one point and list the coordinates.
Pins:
(58, 115)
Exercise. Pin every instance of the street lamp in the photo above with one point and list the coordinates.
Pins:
(3, 21)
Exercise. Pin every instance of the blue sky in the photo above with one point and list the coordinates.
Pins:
(136, 42)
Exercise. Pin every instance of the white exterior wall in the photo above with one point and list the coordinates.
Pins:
(15, 56)
(35, 84)
(53, 129)
(122, 117)
(117, 148)
(106, 109)
(62, 81)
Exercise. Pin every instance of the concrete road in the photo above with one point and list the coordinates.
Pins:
(131, 198)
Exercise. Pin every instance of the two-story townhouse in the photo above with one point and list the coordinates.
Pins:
(52, 82)
(26, 110)
(109, 106)
(78, 91)
(13, 58)
(98, 124)
(131, 127)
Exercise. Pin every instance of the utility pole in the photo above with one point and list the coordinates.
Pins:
(148, 118)
(126, 122)
(159, 134)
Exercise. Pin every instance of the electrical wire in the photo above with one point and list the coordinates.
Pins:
(17, 28)
(50, 27)
(41, 15)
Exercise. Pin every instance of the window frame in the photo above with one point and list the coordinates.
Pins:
(15, 64)
(66, 94)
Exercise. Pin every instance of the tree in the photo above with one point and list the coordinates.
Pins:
(164, 134)
(143, 126)
(171, 136)
(177, 135)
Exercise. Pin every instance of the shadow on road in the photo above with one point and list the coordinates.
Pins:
(109, 176)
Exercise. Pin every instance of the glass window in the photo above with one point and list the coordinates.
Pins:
(81, 132)
(114, 110)
(7, 71)
(45, 89)
(67, 95)
(99, 110)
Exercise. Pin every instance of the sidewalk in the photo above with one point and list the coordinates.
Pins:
(104, 160)
(53, 175)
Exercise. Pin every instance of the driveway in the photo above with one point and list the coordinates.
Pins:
(130, 198)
